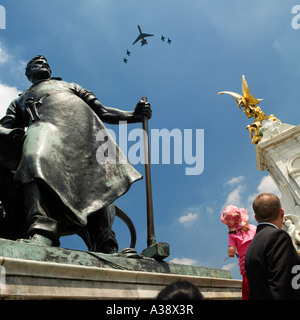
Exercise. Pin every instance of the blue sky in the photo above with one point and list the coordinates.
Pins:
(214, 43)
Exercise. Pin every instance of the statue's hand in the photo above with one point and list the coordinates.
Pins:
(143, 108)
(17, 135)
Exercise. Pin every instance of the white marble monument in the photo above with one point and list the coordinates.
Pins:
(278, 152)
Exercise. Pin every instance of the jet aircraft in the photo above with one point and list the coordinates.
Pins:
(142, 37)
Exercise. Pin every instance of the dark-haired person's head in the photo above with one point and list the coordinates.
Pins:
(180, 290)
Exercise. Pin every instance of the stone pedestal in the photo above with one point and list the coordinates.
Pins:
(34, 272)
(279, 154)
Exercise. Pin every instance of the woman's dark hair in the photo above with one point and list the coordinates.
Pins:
(180, 290)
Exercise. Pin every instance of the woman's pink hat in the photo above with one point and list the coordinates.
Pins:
(235, 218)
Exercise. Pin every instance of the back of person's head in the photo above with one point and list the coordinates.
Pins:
(266, 207)
(180, 290)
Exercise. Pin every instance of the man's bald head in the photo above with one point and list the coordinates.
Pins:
(266, 207)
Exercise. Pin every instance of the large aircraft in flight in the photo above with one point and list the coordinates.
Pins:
(142, 37)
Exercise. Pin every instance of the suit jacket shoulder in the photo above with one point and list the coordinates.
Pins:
(269, 262)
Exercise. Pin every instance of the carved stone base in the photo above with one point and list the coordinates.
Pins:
(35, 272)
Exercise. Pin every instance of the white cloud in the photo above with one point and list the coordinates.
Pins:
(235, 197)
(268, 185)
(186, 261)
(235, 180)
(7, 94)
(3, 55)
(229, 266)
(12, 66)
(188, 218)
(209, 209)
(277, 46)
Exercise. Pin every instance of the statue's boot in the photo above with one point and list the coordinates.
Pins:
(37, 239)
(98, 234)
(42, 229)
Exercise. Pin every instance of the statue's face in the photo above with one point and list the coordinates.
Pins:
(40, 69)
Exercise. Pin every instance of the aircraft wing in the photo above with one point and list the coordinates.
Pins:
(147, 35)
(138, 39)
(142, 36)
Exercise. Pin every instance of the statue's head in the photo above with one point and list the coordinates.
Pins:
(38, 69)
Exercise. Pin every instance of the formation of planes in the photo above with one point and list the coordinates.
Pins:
(141, 37)
(163, 39)
(128, 54)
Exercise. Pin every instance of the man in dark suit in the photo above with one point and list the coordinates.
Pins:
(271, 255)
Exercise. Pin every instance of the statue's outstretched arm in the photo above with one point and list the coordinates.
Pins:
(114, 116)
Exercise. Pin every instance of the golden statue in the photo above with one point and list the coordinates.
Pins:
(249, 103)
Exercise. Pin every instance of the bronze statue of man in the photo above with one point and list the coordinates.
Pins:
(65, 190)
